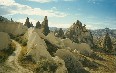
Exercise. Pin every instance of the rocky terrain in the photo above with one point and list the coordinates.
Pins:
(36, 49)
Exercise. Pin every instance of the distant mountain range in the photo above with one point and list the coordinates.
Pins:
(102, 32)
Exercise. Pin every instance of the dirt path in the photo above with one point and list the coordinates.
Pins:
(12, 60)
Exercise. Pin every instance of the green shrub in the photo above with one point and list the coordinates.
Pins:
(46, 65)
(7, 52)
(24, 42)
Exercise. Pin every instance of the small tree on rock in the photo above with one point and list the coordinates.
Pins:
(107, 43)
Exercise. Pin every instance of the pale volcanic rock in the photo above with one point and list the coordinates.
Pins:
(4, 40)
(36, 46)
(14, 28)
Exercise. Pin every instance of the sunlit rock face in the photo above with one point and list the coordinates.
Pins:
(82, 48)
(79, 34)
(14, 28)
(4, 40)
(37, 48)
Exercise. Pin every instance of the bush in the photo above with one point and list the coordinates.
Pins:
(7, 52)
(19, 39)
(46, 65)
(24, 42)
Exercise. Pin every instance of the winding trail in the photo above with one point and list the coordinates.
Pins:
(12, 60)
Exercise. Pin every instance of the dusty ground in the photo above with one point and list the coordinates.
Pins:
(108, 65)
(11, 65)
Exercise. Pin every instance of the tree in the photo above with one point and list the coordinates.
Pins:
(107, 43)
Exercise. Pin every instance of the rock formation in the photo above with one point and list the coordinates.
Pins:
(82, 48)
(4, 40)
(38, 25)
(28, 24)
(14, 28)
(37, 48)
(79, 34)
(45, 26)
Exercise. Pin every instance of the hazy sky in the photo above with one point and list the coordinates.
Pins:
(62, 13)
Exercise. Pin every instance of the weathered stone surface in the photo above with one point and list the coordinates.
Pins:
(82, 48)
(79, 34)
(4, 40)
(36, 46)
(14, 28)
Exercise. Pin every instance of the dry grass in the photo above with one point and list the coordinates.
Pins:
(107, 66)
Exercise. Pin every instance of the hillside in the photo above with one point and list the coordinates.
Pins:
(36, 49)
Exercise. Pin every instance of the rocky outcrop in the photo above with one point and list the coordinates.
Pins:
(38, 25)
(4, 41)
(45, 27)
(37, 48)
(82, 48)
(28, 24)
(14, 28)
(79, 34)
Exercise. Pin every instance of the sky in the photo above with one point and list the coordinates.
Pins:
(96, 14)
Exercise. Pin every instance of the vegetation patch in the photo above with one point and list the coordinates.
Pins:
(51, 47)
(46, 65)
(7, 52)
(20, 39)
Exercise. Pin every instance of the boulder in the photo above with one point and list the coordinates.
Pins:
(79, 34)
(4, 40)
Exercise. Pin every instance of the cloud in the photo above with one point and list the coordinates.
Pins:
(41, 1)
(95, 1)
(59, 25)
(7, 2)
(51, 24)
(46, 1)
(69, 0)
(16, 8)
